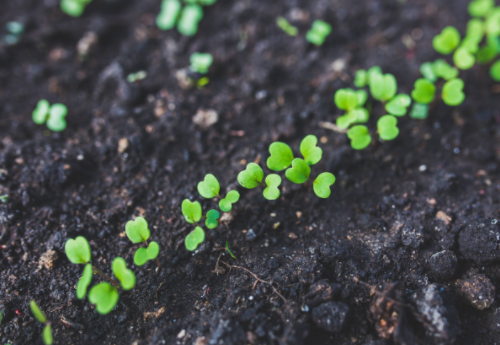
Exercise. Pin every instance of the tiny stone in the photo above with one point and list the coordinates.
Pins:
(478, 291)
(443, 265)
(250, 236)
(330, 316)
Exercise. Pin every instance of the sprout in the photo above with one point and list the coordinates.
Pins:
(211, 222)
(191, 211)
(138, 232)
(271, 192)
(444, 70)
(74, 8)
(252, 177)
(189, 19)
(419, 111)
(312, 154)
(281, 156)
(78, 252)
(168, 15)
(133, 77)
(360, 79)
(424, 91)
(360, 115)
(383, 87)
(398, 105)
(387, 127)
(463, 59)
(84, 282)
(124, 275)
(489, 51)
(492, 25)
(210, 188)
(15, 30)
(40, 316)
(225, 204)
(447, 40)
(288, 28)
(194, 238)
(201, 62)
(452, 92)
(53, 116)
(427, 70)
(495, 71)
(360, 137)
(299, 172)
(348, 99)
(318, 32)
(322, 183)
(479, 8)
(229, 251)
(104, 296)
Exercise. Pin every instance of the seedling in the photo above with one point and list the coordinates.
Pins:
(281, 156)
(362, 77)
(318, 32)
(288, 28)
(383, 87)
(252, 177)
(167, 18)
(4, 198)
(53, 116)
(443, 70)
(419, 111)
(387, 127)
(424, 91)
(15, 30)
(447, 41)
(229, 251)
(398, 105)
(489, 51)
(452, 92)
(74, 8)
(463, 58)
(322, 183)
(138, 232)
(479, 8)
(360, 137)
(201, 62)
(40, 316)
(210, 187)
(492, 24)
(348, 99)
(299, 172)
(193, 214)
(195, 238)
(137, 76)
(187, 18)
(495, 71)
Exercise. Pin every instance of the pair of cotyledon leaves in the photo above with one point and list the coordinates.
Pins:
(192, 213)
(360, 135)
(40, 316)
(138, 232)
(252, 177)
(201, 62)
(318, 32)
(54, 116)
(210, 187)
(424, 92)
(187, 18)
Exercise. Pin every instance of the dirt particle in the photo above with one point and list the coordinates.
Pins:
(155, 314)
(444, 217)
(122, 145)
(292, 236)
(477, 290)
(331, 316)
(181, 334)
(298, 214)
(47, 259)
(205, 118)
(480, 241)
(443, 265)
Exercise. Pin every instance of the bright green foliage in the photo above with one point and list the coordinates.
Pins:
(74, 8)
(211, 221)
(201, 62)
(312, 154)
(137, 230)
(142, 255)
(168, 15)
(479, 8)
(271, 192)
(444, 70)
(383, 87)
(284, 25)
(447, 40)
(78, 250)
(299, 172)
(398, 105)
(53, 116)
(191, 211)
(318, 32)
(387, 127)
(361, 78)
(226, 204)
(372, 71)
(189, 19)
(252, 176)
(39, 315)
(427, 70)
(124, 275)
(360, 137)
(489, 51)
(104, 296)
(281, 156)
(84, 282)
(359, 115)
(229, 251)
(463, 59)
(322, 183)
(41, 111)
(495, 71)
(424, 91)
(347, 99)
(419, 111)
(210, 187)
(492, 24)
(475, 29)
(47, 335)
(207, 2)
(1, 315)
(137, 76)
(452, 92)
(194, 238)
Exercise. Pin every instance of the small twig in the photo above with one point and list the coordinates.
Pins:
(156, 292)
(101, 273)
(70, 324)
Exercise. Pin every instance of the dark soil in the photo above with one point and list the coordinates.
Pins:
(335, 262)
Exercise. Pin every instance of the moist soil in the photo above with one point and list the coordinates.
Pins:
(355, 268)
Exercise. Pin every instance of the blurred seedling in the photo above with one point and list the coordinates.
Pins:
(318, 32)
(288, 28)
(193, 214)
(4, 198)
(138, 232)
(495, 71)
(74, 8)
(360, 137)
(186, 18)
(383, 87)
(352, 102)
(453, 92)
(480, 8)
(387, 127)
(362, 77)
(229, 251)
(252, 177)
(53, 116)
(137, 76)
(14, 32)
(201, 62)
(209, 188)
(424, 91)
(40, 316)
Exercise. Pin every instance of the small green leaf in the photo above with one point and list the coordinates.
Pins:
(140, 256)
(398, 105)
(372, 72)
(191, 211)
(84, 282)
(47, 335)
(194, 238)
(72, 8)
(487, 53)
(442, 69)
(168, 15)
(362, 97)
(452, 92)
(78, 250)
(271, 192)
(153, 250)
(124, 275)
(387, 127)
(424, 91)
(39, 315)
(137, 230)
(226, 203)
(427, 71)
(41, 112)
(475, 29)
(463, 59)
(447, 40)
(492, 24)
(361, 78)
(104, 296)
(346, 99)
(360, 137)
(299, 172)
(318, 32)
(229, 251)
(201, 62)
(57, 114)
(284, 25)
(495, 71)
(322, 184)
(479, 8)
(312, 154)
(252, 176)
(281, 156)
(211, 221)
(210, 187)
(419, 111)
(383, 87)
(345, 121)
(189, 19)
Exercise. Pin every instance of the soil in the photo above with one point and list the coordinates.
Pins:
(352, 269)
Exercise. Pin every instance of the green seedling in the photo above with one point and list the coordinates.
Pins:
(383, 87)
(211, 222)
(191, 211)
(252, 177)
(226, 204)
(387, 127)
(489, 51)
(138, 232)
(167, 18)
(193, 214)
(187, 18)
(444, 70)
(229, 251)
(479, 8)
(427, 70)
(348, 99)
(137, 76)
(74, 8)
(78, 252)
(463, 58)
(53, 116)
(318, 32)
(322, 183)
(398, 105)
(281, 156)
(299, 172)
(312, 154)
(492, 24)
(452, 92)
(288, 28)
(271, 192)
(446, 42)
(360, 137)
(210, 187)
(424, 91)
(15, 30)
(190, 17)
(40, 316)
(104, 296)
(359, 115)
(495, 71)
(362, 77)
(4, 198)
(194, 239)
(201, 62)
(124, 275)
(475, 30)
(419, 111)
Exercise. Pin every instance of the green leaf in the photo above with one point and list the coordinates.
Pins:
(39, 315)
(271, 192)
(57, 114)
(252, 176)
(210, 187)
(463, 59)
(444, 70)
(191, 211)
(194, 238)
(372, 72)
(322, 184)
(281, 156)
(447, 40)
(345, 121)
(346, 99)
(47, 335)
(168, 15)
(424, 91)
(362, 97)
(318, 32)
(360, 137)
(492, 24)
(137, 230)
(479, 8)
(419, 111)
(383, 87)
(140, 256)
(207, 2)
(427, 71)
(299, 172)
(189, 19)
(41, 112)
(84, 282)
(312, 154)
(201, 62)
(226, 204)
(361, 78)
(104, 296)
(495, 71)
(288, 28)
(124, 275)
(452, 92)
(153, 250)
(211, 221)
(488, 52)
(398, 105)
(78, 250)
(387, 127)
(72, 8)
(475, 29)
(229, 251)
